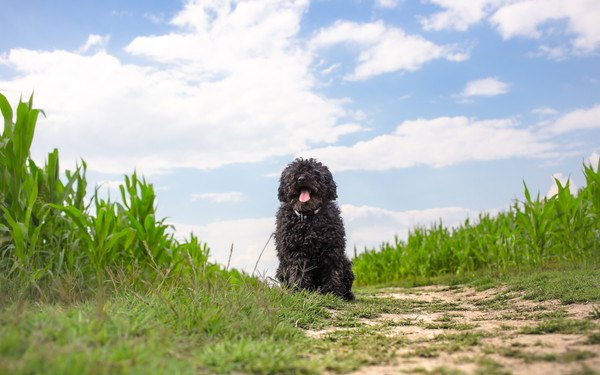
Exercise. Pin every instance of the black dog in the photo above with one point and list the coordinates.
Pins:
(310, 237)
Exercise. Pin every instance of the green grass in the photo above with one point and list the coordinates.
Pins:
(568, 286)
(221, 325)
(560, 326)
(447, 343)
(567, 357)
(349, 349)
(593, 339)
(214, 326)
(585, 371)
(577, 283)
(488, 366)
(182, 327)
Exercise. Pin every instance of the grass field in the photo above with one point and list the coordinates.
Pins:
(89, 285)
(217, 326)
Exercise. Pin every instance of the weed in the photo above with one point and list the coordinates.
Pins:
(449, 325)
(584, 371)
(528, 357)
(488, 366)
(347, 350)
(448, 343)
(560, 326)
(593, 339)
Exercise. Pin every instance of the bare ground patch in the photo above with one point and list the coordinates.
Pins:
(456, 330)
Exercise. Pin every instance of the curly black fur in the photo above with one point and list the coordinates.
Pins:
(310, 237)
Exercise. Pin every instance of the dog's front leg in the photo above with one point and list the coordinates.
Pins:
(296, 275)
(339, 281)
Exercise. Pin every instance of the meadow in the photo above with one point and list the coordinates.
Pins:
(94, 285)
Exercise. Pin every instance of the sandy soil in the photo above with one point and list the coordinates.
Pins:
(503, 346)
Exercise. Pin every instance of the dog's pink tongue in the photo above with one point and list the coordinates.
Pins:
(304, 196)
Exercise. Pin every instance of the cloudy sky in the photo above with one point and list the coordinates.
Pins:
(424, 110)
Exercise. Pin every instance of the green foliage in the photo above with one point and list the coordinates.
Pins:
(177, 324)
(48, 230)
(29, 226)
(562, 229)
(560, 326)
(567, 285)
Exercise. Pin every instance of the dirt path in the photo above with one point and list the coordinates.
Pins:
(446, 330)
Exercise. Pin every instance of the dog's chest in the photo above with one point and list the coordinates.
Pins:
(305, 232)
(312, 236)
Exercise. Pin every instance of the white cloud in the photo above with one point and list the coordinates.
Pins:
(230, 196)
(94, 40)
(546, 111)
(368, 227)
(219, 36)
(578, 119)
(437, 142)
(387, 3)
(552, 52)
(593, 159)
(156, 18)
(490, 86)
(330, 69)
(384, 49)
(111, 184)
(563, 181)
(525, 18)
(458, 14)
(230, 83)
(248, 237)
(109, 189)
(365, 227)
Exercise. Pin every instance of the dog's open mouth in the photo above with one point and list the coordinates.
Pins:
(304, 195)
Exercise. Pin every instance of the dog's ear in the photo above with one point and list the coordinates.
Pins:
(331, 187)
(281, 191)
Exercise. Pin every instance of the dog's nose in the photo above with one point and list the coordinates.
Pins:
(301, 178)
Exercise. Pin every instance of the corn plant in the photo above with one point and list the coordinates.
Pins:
(29, 226)
(564, 228)
(152, 239)
(47, 228)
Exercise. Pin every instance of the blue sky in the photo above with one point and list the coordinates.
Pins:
(423, 110)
